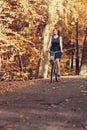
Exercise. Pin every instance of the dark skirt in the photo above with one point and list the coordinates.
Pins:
(56, 54)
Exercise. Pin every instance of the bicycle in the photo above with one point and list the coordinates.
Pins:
(54, 67)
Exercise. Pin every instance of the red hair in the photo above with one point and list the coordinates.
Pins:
(58, 31)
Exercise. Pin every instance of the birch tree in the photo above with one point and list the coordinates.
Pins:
(52, 20)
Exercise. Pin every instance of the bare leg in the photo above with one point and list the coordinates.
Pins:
(51, 59)
(58, 66)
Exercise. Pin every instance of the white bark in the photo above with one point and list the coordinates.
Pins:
(52, 20)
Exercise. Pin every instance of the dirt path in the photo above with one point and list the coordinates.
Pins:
(41, 105)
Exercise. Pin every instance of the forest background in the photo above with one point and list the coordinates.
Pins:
(25, 27)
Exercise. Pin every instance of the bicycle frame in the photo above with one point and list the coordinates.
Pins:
(53, 67)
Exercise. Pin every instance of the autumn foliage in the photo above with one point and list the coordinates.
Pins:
(21, 26)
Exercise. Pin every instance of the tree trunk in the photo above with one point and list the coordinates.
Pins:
(83, 69)
(0, 63)
(52, 19)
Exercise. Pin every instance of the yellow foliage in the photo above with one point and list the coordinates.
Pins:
(21, 26)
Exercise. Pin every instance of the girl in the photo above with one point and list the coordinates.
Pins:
(56, 48)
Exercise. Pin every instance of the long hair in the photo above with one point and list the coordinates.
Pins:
(58, 32)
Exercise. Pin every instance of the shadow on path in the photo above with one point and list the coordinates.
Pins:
(45, 106)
